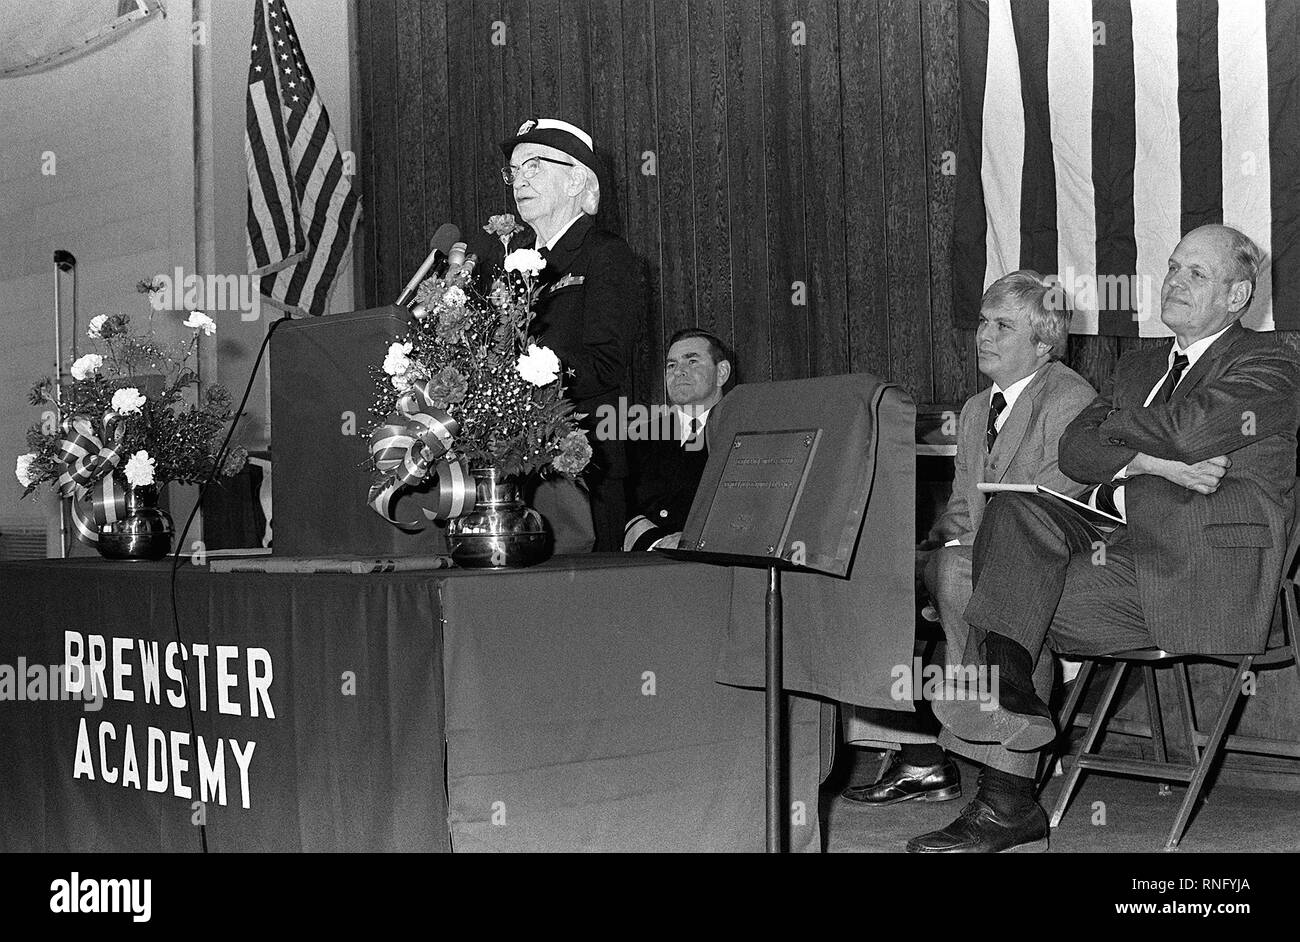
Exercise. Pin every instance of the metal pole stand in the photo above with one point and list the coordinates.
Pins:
(773, 727)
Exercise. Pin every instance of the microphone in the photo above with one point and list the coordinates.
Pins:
(440, 244)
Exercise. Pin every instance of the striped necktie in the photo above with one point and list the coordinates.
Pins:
(996, 405)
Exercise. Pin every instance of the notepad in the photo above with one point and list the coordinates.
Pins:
(1091, 514)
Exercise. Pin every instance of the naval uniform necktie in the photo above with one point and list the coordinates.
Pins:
(692, 430)
(1106, 492)
(996, 405)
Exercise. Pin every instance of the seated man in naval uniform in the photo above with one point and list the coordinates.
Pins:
(668, 467)
(1007, 434)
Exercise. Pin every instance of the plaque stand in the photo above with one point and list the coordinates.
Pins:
(748, 524)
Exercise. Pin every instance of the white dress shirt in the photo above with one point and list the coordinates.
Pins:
(1010, 394)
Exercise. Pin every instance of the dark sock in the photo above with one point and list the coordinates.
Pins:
(921, 753)
(1008, 795)
(1015, 666)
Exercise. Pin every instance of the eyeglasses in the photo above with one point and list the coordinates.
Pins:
(528, 169)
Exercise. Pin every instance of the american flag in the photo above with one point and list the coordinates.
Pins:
(1096, 133)
(302, 207)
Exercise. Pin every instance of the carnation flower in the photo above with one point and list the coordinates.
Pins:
(235, 460)
(448, 386)
(200, 321)
(139, 469)
(575, 452)
(95, 331)
(25, 471)
(127, 401)
(112, 326)
(539, 365)
(84, 366)
(454, 296)
(396, 362)
(527, 261)
(503, 227)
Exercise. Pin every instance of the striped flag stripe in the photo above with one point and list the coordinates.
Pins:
(1093, 162)
(1282, 20)
(969, 224)
(1038, 234)
(1246, 173)
(1002, 155)
(1198, 111)
(1069, 99)
(1157, 189)
(1114, 150)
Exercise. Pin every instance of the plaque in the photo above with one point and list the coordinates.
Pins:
(756, 498)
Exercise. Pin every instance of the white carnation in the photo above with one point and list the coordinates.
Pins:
(453, 297)
(96, 325)
(539, 365)
(83, 367)
(200, 321)
(396, 362)
(528, 261)
(26, 476)
(139, 469)
(127, 401)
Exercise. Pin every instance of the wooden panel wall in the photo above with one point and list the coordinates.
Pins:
(778, 165)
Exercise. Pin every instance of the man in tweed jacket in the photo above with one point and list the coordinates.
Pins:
(1195, 448)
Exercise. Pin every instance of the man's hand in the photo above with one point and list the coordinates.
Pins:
(668, 542)
(1202, 477)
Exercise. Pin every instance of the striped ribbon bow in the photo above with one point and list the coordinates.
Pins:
(412, 447)
(87, 477)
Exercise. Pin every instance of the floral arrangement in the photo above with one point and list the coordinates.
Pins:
(124, 418)
(469, 385)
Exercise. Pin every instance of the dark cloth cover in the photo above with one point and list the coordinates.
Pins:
(843, 633)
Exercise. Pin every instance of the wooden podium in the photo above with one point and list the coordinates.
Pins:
(321, 393)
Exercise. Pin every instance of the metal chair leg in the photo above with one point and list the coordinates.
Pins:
(1089, 740)
(1185, 707)
(1230, 698)
(1065, 723)
(1156, 724)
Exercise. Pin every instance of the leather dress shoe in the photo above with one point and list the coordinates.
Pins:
(903, 782)
(1017, 718)
(981, 830)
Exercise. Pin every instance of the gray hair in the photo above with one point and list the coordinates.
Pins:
(1245, 259)
(1043, 301)
(589, 196)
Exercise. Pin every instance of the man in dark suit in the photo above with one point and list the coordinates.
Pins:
(1008, 433)
(1194, 447)
(668, 467)
(591, 299)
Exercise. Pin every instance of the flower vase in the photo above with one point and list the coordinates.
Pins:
(144, 532)
(501, 532)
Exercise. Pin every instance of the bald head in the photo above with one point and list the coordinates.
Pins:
(1209, 283)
